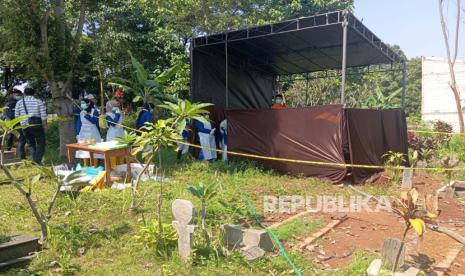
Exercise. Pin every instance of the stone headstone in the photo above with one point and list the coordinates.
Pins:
(233, 235)
(251, 253)
(449, 192)
(183, 212)
(390, 252)
(258, 237)
(407, 179)
(237, 236)
(421, 164)
(431, 203)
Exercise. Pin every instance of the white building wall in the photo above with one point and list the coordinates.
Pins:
(438, 101)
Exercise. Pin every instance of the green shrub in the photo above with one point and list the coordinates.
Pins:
(164, 245)
(53, 135)
(52, 138)
(129, 119)
(440, 126)
(456, 146)
(4, 238)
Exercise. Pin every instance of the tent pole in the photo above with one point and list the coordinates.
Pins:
(227, 71)
(404, 83)
(345, 23)
(191, 56)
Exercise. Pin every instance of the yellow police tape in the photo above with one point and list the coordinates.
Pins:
(306, 162)
(436, 132)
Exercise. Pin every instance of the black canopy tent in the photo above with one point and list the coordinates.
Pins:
(239, 69)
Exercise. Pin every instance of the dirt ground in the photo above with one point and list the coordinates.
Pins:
(367, 231)
(458, 267)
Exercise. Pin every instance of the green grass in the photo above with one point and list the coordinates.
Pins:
(4, 238)
(299, 227)
(94, 233)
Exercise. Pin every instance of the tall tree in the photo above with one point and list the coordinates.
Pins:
(135, 25)
(452, 56)
(194, 17)
(46, 35)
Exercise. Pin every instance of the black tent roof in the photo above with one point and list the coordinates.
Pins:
(306, 44)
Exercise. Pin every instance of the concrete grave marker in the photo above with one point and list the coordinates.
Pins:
(183, 212)
(258, 237)
(407, 179)
(390, 252)
(233, 235)
(252, 252)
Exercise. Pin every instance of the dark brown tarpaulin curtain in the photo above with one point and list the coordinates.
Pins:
(328, 134)
(372, 133)
(313, 134)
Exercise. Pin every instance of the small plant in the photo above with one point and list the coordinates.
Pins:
(164, 133)
(128, 138)
(204, 194)
(149, 236)
(424, 144)
(413, 157)
(407, 207)
(448, 163)
(394, 159)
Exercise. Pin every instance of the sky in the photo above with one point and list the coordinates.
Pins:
(414, 25)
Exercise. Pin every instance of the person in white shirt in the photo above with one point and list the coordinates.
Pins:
(36, 123)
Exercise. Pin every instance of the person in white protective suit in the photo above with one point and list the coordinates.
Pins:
(224, 139)
(183, 148)
(114, 120)
(89, 127)
(207, 140)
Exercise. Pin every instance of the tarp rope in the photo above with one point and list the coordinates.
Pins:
(307, 162)
(253, 213)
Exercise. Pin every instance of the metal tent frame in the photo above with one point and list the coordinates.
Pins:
(332, 40)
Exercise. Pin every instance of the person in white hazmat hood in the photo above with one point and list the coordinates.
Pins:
(207, 140)
(114, 120)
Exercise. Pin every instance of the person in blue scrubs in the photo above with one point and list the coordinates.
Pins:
(77, 119)
(145, 115)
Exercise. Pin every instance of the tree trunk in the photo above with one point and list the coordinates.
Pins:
(452, 57)
(203, 214)
(64, 110)
(458, 104)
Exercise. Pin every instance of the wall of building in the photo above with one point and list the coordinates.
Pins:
(438, 101)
